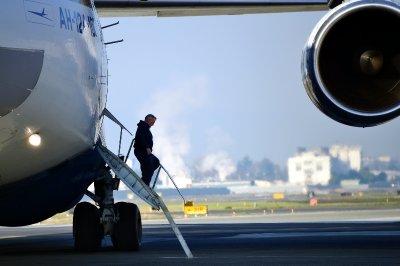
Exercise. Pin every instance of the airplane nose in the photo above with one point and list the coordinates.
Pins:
(19, 73)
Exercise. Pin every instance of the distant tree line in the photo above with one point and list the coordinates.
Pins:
(364, 176)
(250, 170)
(246, 170)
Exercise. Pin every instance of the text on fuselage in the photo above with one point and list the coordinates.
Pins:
(75, 21)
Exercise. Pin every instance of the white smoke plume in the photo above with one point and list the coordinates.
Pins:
(172, 106)
(220, 162)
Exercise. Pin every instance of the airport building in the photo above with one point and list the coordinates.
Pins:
(349, 156)
(309, 168)
(314, 167)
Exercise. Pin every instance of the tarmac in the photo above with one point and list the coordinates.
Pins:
(356, 237)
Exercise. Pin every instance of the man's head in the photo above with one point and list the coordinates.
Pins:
(150, 119)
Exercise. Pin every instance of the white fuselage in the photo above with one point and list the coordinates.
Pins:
(64, 106)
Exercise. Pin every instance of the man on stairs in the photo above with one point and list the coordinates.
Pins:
(143, 148)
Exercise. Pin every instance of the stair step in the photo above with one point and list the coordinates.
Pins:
(135, 183)
(130, 178)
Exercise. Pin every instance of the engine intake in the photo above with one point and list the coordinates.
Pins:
(351, 63)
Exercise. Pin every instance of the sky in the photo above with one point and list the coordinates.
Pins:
(222, 88)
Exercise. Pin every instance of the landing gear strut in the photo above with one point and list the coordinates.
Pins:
(122, 220)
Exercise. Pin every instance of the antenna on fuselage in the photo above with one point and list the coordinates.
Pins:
(107, 26)
(107, 43)
(110, 25)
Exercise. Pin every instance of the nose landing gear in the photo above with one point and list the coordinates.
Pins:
(122, 220)
(87, 230)
(127, 234)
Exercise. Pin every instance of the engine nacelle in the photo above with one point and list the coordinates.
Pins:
(351, 63)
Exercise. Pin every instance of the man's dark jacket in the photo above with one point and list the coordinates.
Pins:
(143, 137)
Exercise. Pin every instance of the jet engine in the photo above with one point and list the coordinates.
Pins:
(351, 63)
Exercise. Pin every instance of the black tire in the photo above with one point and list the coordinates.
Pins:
(87, 230)
(127, 233)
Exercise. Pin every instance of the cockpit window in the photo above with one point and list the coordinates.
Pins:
(19, 72)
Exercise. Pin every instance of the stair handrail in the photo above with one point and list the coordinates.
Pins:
(158, 171)
(170, 177)
(129, 150)
(108, 114)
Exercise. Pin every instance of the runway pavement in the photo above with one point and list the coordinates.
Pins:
(369, 237)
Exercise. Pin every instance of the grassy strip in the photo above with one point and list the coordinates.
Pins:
(227, 207)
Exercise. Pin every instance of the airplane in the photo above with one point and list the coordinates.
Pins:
(54, 83)
(41, 14)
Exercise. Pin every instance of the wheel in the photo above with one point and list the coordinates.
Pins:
(127, 233)
(87, 230)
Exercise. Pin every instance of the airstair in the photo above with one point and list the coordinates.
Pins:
(135, 183)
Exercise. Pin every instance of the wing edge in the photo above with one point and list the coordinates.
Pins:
(118, 8)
